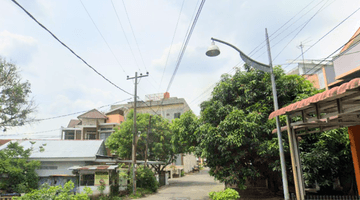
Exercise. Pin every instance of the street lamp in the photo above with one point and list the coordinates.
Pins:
(214, 50)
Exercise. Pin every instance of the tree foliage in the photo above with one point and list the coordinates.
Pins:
(47, 192)
(15, 105)
(160, 147)
(235, 133)
(327, 156)
(18, 174)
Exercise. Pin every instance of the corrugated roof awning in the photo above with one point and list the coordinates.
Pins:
(338, 107)
(327, 95)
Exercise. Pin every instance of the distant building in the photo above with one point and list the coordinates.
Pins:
(156, 104)
(347, 62)
(320, 75)
(92, 125)
(58, 156)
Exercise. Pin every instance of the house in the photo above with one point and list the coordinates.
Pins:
(168, 107)
(347, 62)
(318, 73)
(56, 156)
(155, 104)
(92, 125)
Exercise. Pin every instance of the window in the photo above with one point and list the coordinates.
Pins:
(176, 115)
(106, 129)
(91, 135)
(87, 180)
(69, 135)
(48, 167)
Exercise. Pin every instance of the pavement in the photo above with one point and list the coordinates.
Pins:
(193, 186)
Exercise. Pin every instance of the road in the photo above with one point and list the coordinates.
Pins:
(190, 187)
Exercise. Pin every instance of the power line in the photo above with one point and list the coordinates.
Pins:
(325, 35)
(250, 54)
(65, 115)
(167, 59)
(182, 52)
(132, 31)
(122, 28)
(32, 17)
(300, 30)
(107, 44)
(335, 52)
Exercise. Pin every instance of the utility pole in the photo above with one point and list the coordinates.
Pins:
(134, 143)
(302, 54)
(147, 142)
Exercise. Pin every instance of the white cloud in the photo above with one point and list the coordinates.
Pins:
(17, 47)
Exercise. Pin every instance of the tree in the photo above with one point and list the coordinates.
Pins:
(235, 134)
(160, 147)
(18, 174)
(327, 156)
(185, 132)
(57, 193)
(15, 105)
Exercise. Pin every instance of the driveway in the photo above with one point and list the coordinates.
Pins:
(190, 187)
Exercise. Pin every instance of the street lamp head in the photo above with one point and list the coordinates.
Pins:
(213, 50)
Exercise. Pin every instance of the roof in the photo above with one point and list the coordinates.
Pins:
(94, 167)
(327, 95)
(73, 123)
(353, 40)
(140, 104)
(93, 114)
(2, 142)
(63, 149)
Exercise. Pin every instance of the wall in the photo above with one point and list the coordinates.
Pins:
(346, 63)
(62, 168)
(94, 189)
(115, 118)
(189, 162)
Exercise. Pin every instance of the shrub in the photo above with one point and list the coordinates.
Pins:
(182, 173)
(228, 194)
(145, 179)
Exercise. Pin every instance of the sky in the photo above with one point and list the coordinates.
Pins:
(121, 37)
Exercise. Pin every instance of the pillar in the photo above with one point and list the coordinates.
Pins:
(354, 137)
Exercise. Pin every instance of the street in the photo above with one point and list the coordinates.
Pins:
(190, 187)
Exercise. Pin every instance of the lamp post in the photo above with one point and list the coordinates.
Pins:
(214, 50)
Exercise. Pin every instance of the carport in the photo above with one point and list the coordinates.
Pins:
(331, 109)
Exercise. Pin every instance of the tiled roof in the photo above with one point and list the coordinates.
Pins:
(352, 40)
(355, 83)
(73, 123)
(93, 114)
(2, 142)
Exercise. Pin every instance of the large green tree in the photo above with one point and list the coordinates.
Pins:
(18, 173)
(235, 135)
(160, 147)
(15, 105)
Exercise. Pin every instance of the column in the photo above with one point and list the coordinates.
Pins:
(354, 136)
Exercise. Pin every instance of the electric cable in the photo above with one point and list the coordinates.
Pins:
(172, 41)
(42, 26)
(299, 31)
(107, 44)
(79, 112)
(126, 38)
(324, 36)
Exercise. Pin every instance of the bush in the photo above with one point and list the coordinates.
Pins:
(228, 194)
(182, 173)
(145, 179)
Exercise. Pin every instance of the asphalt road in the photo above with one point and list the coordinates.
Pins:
(190, 187)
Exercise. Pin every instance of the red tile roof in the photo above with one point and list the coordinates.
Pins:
(2, 142)
(73, 122)
(355, 83)
(93, 114)
(352, 40)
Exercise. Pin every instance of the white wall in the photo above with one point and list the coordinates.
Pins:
(62, 167)
(189, 162)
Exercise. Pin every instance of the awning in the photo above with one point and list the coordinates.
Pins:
(337, 107)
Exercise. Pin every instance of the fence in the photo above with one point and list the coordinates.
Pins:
(327, 197)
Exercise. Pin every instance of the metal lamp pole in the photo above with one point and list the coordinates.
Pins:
(214, 51)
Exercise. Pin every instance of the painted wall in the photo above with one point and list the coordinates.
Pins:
(115, 118)
(347, 62)
(189, 162)
(62, 168)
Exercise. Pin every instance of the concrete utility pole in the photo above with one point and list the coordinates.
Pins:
(135, 129)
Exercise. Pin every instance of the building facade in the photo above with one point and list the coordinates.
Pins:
(92, 125)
